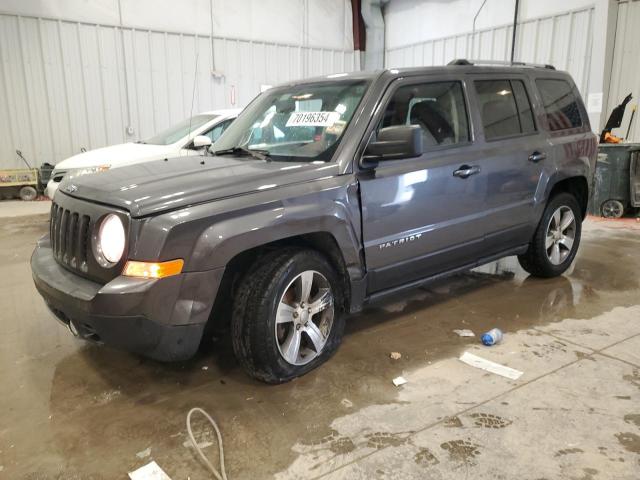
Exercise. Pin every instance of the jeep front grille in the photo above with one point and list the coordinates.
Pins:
(70, 237)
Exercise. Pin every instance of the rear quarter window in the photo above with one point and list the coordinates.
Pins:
(505, 108)
(561, 104)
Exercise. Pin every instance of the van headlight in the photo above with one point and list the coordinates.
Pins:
(111, 239)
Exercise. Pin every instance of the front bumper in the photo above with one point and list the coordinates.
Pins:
(161, 319)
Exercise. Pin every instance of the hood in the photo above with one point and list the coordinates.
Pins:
(157, 186)
(115, 155)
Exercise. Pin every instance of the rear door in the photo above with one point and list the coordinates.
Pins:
(514, 151)
(423, 216)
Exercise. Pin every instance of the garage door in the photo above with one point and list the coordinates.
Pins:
(625, 74)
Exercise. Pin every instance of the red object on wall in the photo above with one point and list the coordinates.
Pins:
(359, 32)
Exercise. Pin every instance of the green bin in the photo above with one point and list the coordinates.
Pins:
(614, 180)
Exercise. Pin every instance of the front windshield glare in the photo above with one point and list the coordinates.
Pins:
(303, 122)
(181, 130)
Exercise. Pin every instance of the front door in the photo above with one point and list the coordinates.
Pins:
(423, 216)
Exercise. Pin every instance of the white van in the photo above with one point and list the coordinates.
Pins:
(175, 141)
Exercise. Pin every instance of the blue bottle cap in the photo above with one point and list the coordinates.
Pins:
(487, 339)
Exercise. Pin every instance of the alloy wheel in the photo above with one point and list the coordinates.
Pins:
(612, 209)
(561, 233)
(304, 318)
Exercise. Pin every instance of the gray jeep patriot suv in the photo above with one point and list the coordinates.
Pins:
(323, 195)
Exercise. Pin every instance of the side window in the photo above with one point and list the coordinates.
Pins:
(438, 108)
(504, 108)
(524, 107)
(560, 104)
(215, 132)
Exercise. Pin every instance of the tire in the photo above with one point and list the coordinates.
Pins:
(8, 193)
(28, 193)
(259, 341)
(612, 209)
(543, 261)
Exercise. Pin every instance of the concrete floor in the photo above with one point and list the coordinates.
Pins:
(70, 410)
(18, 208)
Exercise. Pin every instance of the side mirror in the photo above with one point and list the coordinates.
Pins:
(399, 141)
(200, 141)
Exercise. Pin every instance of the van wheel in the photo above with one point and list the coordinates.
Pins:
(556, 240)
(286, 317)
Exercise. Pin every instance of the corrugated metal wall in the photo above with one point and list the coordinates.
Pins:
(64, 85)
(563, 40)
(625, 71)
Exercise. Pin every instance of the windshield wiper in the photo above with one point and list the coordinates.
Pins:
(259, 154)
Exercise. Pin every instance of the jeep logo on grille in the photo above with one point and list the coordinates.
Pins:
(71, 188)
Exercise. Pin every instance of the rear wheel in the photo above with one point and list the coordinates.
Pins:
(28, 193)
(556, 240)
(287, 319)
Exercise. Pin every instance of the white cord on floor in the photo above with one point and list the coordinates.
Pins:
(222, 475)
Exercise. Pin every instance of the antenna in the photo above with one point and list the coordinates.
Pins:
(473, 33)
(193, 94)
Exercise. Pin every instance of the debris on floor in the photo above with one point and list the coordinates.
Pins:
(489, 366)
(465, 332)
(399, 381)
(151, 471)
(205, 367)
(346, 403)
(395, 355)
(492, 337)
(144, 453)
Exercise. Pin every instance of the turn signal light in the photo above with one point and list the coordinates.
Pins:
(153, 269)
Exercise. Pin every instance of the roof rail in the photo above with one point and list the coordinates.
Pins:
(463, 61)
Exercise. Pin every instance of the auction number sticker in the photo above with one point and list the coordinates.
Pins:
(313, 119)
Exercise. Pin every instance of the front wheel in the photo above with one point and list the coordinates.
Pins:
(555, 242)
(287, 318)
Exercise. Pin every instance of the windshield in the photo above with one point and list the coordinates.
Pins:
(301, 122)
(181, 130)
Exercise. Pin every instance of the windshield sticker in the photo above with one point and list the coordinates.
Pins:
(313, 119)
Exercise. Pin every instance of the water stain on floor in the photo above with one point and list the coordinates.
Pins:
(487, 420)
(589, 474)
(633, 418)
(630, 441)
(633, 378)
(584, 356)
(452, 422)
(461, 450)
(379, 440)
(335, 442)
(425, 458)
(568, 451)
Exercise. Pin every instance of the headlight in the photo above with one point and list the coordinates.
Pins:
(111, 239)
(85, 171)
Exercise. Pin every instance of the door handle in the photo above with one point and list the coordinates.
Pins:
(466, 171)
(536, 157)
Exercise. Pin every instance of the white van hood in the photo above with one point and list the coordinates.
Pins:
(117, 156)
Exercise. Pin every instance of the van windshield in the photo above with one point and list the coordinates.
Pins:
(180, 130)
(300, 123)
